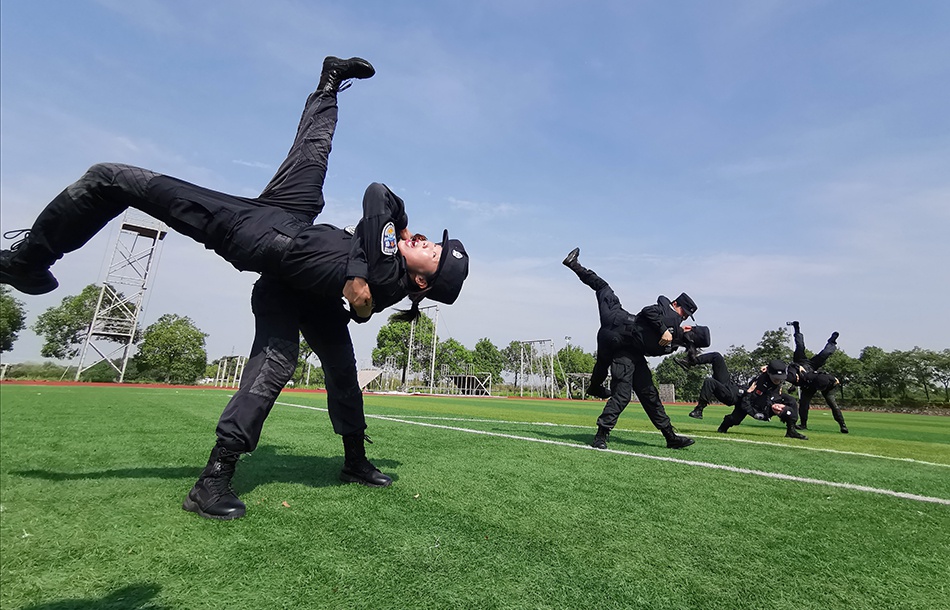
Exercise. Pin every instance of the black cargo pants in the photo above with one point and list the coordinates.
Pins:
(280, 315)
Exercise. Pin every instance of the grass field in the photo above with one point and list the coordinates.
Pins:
(497, 503)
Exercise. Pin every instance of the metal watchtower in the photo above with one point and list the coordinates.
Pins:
(115, 320)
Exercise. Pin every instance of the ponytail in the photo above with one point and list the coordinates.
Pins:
(408, 315)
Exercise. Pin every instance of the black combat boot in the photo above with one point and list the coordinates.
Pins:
(571, 259)
(833, 339)
(598, 391)
(337, 71)
(674, 441)
(212, 496)
(697, 412)
(26, 266)
(794, 324)
(358, 469)
(724, 426)
(791, 432)
(600, 439)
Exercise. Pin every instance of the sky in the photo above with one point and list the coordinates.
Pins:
(776, 160)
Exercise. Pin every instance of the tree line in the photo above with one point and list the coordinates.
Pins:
(874, 377)
(172, 350)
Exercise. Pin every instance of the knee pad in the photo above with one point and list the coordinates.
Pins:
(105, 175)
(280, 362)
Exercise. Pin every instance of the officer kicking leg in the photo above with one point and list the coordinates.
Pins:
(612, 316)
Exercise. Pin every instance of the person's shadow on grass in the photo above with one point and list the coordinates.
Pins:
(267, 464)
(585, 438)
(132, 597)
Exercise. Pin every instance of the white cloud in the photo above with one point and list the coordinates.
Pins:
(483, 211)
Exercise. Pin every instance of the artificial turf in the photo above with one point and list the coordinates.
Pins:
(520, 515)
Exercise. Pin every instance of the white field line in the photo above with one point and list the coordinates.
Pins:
(760, 473)
(718, 437)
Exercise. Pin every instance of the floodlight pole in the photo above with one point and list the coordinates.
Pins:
(435, 338)
(405, 373)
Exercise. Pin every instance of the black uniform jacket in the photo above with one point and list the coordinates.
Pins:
(322, 257)
(653, 321)
(760, 399)
(809, 378)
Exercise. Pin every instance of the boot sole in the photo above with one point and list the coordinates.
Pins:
(349, 478)
(33, 289)
(192, 507)
(683, 446)
(696, 415)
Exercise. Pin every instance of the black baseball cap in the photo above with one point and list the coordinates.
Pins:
(446, 284)
(776, 370)
(688, 304)
(698, 336)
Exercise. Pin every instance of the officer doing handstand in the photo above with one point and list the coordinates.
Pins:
(762, 399)
(806, 374)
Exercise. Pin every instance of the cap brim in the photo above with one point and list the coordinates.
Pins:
(442, 259)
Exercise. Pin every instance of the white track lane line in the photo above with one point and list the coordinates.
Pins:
(718, 437)
(760, 473)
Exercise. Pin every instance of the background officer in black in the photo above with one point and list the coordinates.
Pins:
(306, 269)
(623, 342)
(763, 399)
(720, 386)
(804, 372)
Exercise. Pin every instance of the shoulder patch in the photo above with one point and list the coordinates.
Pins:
(388, 239)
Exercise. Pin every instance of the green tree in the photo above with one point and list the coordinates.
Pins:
(773, 346)
(513, 360)
(919, 364)
(487, 358)
(845, 368)
(880, 369)
(452, 358)
(12, 319)
(64, 327)
(392, 341)
(687, 383)
(942, 371)
(742, 365)
(572, 359)
(175, 347)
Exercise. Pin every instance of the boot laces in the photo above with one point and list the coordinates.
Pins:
(21, 233)
(221, 479)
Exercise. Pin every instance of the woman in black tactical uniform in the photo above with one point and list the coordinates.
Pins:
(305, 270)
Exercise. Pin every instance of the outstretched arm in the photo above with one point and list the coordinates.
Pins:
(384, 222)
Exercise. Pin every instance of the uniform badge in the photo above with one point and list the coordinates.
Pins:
(388, 239)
